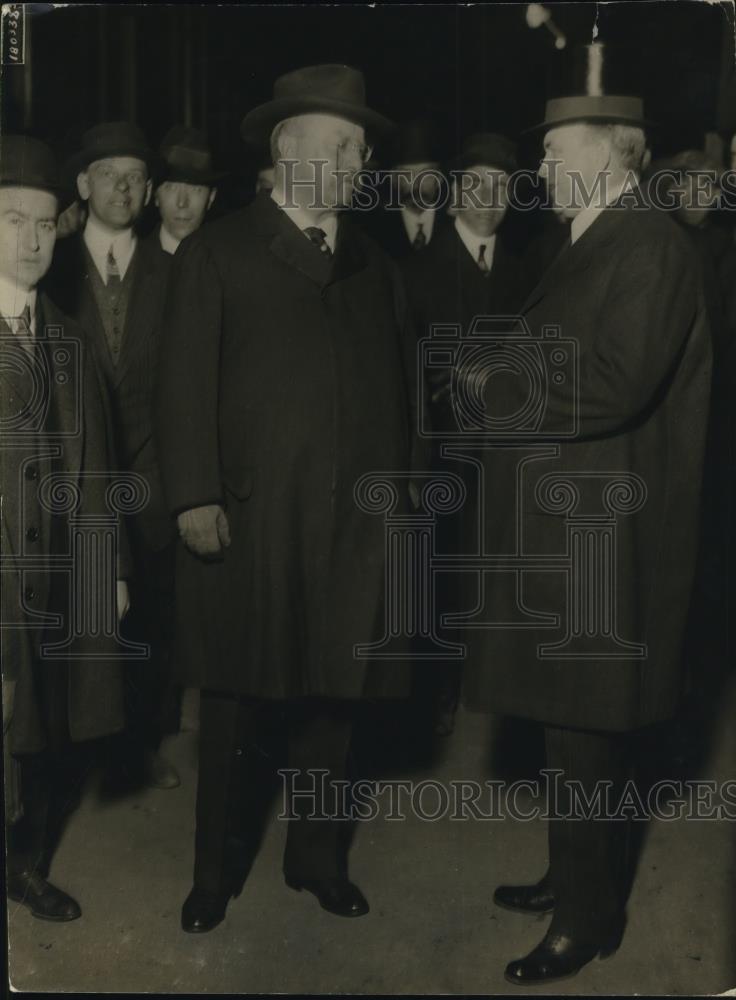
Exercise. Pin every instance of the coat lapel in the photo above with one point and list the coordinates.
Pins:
(142, 315)
(66, 381)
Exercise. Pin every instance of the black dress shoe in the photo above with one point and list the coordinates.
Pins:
(337, 895)
(537, 898)
(557, 956)
(202, 911)
(44, 900)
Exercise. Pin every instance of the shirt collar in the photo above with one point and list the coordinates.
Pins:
(303, 220)
(13, 301)
(412, 221)
(168, 242)
(585, 219)
(472, 242)
(99, 240)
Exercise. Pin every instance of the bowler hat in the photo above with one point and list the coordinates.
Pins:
(416, 141)
(186, 157)
(328, 89)
(112, 139)
(597, 87)
(28, 162)
(489, 150)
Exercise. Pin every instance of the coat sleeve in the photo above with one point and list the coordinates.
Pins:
(651, 306)
(187, 385)
(417, 394)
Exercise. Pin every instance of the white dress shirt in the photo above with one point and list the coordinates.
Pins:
(412, 221)
(99, 241)
(168, 242)
(13, 301)
(585, 219)
(303, 220)
(473, 242)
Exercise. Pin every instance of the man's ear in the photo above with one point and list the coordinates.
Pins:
(83, 185)
(149, 189)
(213, 195)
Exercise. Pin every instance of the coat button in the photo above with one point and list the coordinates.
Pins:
(32, 534)
(31, 472)
(29, 593)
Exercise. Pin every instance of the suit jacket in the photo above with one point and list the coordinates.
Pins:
(73, 386)
(132, 380)
(386, 227)
(628, 294)
(284, 378)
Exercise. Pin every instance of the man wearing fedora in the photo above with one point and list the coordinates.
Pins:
(188, 186)
(616, 452)
(286, 374)
(114, 286)
(55, 426)
(409, 217)
(468, 272)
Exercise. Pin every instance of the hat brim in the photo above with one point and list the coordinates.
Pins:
(595, 118)
(258, 124)
(177, 175)
(80, 161)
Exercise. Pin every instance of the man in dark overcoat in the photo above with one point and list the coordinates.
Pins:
(467, 272)
(286, 374)
(114, 285)
(56, 447)
(606, 473)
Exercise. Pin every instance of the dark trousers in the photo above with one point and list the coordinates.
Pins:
(587, 856)
(318, 738)
(152, 698)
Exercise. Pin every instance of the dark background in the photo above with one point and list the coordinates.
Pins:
(470, 67)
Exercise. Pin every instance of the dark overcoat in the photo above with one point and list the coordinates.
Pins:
(284, 378)
(628, 293)
(75, 394)
(131, 381)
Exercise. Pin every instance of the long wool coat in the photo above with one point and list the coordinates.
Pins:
(284, 377)
(628, 293)
(76, 397)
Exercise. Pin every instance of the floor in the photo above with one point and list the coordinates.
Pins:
(432, 928)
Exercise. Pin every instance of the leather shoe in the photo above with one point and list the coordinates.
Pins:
(44, 900)
(337, 895)
(202, 911)
(537, 898)
(557, 956)
(160, 773)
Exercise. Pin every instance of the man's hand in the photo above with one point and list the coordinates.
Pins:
(123, 599)
(204, 530)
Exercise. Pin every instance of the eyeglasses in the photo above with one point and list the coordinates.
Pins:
(133, 178)
(355, 148)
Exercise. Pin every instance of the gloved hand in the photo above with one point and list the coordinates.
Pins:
(204, 530)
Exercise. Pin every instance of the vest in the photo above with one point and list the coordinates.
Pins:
(112, 304)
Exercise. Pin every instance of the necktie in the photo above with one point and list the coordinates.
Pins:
(317, 236)
(482, 262)
(113, 272)
(22, 328)
(420, 240)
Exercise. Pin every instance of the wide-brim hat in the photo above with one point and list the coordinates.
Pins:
(29, 163)
(112, 139)
(185, 156)
(328, 89)
(488, 149)
(598, 86)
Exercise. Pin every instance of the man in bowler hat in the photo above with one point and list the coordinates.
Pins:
(618, 436)
(56, 439)
(286, 374)
(114, 285)
(187, 188)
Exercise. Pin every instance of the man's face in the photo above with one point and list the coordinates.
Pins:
(574, 149)
(27, 234)
(337, 141)
(695, 196)
(182, 207)
(116, 190)
(483, 200)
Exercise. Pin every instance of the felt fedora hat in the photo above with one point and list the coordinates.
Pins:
(185, 156)
(596, 86)
(488, 149)
(28, 162)
(112, 139)
(327, 89)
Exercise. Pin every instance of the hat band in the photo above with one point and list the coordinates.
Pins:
(185, 158)
(583, 106)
